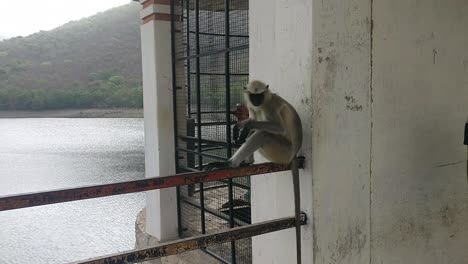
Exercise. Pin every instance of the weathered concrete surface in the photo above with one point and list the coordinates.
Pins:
(386, 168)
(143, 239)
(341, 131)
(420, 90)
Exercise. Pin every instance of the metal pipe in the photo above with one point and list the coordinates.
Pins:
(198, 242)
(209, 141)
(213, 123)
(221, 35)
(197, 69)
(174, 102)
(202, 154)
(189, 90)
(221, 74)
(211, 148)
(95, 191)
(190, 162)
(227, 72)
(213, 187)
(214, 52)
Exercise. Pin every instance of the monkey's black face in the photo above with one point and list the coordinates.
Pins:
(257, 99)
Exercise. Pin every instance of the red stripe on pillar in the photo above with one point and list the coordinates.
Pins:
(159, 17)
(153, 2)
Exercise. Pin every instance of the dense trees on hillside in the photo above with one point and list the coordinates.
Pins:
(93, 62)
(103, 91)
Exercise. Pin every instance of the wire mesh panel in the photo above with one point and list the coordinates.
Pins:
(210, 63)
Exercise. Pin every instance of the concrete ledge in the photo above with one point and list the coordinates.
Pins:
(144, 239)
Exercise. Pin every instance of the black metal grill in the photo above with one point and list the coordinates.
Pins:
(210, 63)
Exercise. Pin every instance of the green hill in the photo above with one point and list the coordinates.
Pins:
(92, 62)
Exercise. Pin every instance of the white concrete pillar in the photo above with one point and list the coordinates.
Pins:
(316, 54)
(159, 117)
(281, 55)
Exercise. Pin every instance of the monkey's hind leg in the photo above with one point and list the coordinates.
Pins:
(297, 206)
(245, 153)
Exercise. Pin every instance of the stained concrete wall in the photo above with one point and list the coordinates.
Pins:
(341, 131)
(383, 113)
(420, 88)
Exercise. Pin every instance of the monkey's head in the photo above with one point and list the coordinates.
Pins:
(257, 93)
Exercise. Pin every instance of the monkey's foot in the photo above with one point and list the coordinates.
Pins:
(217, 165)
(245, 164)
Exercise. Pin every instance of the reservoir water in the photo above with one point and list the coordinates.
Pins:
(44, 154)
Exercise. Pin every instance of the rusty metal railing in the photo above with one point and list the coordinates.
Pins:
(197, 242)
(171, 248)
(103, 190)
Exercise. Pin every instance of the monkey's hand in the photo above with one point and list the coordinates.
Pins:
(244, 123)
(235, 134)
(246, 128)
(245, 133)
(217, 165)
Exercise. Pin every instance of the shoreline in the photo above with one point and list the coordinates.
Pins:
(75, 113)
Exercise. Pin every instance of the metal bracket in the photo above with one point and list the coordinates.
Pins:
(465, 141)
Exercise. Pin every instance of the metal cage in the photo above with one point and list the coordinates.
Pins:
(210, 67)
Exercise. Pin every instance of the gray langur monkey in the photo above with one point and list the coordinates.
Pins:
(275, 130)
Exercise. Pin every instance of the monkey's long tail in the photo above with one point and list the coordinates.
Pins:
(297, 206)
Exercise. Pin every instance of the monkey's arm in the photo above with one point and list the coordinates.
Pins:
(274, 123)
(266, 126)
(250, 125)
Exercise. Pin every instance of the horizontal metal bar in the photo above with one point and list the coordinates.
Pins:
(221, 35)
(212, 34)
(209, 141)
(202, 154)
(186, 169)
(198, 242)
(239, 185)
(103, 190)
(221, 74)
(208, 147)
(213, 112)
(214, 123)
(213, 212)
(213, 52)
(213, 187)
